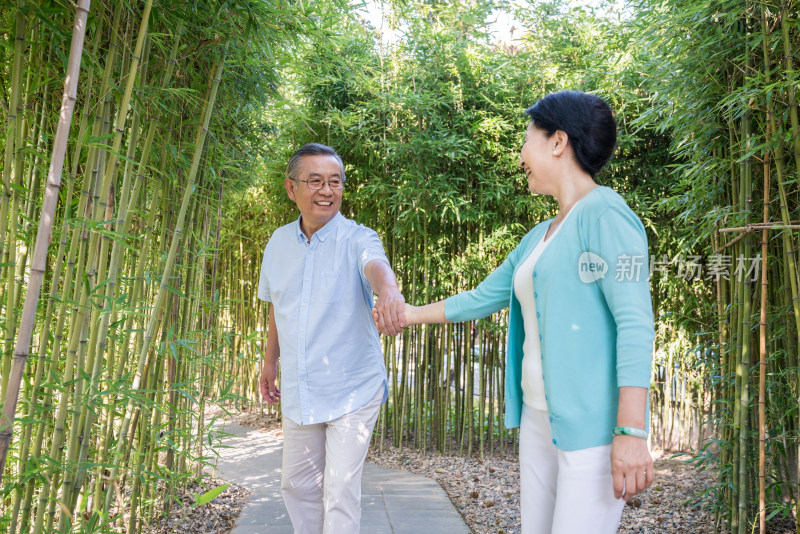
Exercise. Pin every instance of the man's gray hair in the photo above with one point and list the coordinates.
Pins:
(311, 149)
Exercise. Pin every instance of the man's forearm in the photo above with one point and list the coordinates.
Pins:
(272, 352)
(388, 312)
(381, 277)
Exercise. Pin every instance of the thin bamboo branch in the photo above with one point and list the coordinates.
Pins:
(750, 228)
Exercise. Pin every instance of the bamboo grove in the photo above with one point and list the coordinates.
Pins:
(110, 405)
(184, 116)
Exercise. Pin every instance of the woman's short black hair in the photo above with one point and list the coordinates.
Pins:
(587, 120)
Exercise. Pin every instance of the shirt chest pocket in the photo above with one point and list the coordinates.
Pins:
(334, 288)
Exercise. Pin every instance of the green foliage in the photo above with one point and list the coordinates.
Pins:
(429, 126)
(711, 87)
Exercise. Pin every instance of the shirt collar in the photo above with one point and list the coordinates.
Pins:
(323, 232)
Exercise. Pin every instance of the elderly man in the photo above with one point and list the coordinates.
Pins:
(320, 272)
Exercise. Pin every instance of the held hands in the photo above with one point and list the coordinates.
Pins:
(266, 382)
(631, 466)
(389, 312)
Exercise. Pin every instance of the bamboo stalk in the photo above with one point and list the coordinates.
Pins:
(45, 229)
(743, 367)
(10, 199)
(13, 119)
(791, 85)
(762, 359)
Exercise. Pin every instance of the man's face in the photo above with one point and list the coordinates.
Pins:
(317, 207)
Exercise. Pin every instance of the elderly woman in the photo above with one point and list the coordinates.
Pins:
(580, 335)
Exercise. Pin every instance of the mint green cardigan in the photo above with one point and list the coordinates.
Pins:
(595, 320)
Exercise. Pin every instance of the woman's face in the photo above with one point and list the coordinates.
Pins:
(536, 158)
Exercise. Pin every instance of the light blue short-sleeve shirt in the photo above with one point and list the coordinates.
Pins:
(331, 358)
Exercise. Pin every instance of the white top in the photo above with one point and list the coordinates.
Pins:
(532, 376)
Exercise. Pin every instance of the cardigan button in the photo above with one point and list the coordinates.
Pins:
(534, 274)
(535, 294)
(551, 418)
(554, 441)
(537, 315)
(540, 337)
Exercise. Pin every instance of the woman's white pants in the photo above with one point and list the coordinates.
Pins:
(564, 492)
(321, 474)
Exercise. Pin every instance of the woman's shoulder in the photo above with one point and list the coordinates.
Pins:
(607, 212)
(602, 201)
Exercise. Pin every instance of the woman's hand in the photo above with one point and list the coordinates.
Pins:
(631, 466)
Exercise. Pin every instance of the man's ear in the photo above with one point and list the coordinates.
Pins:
(289, 184)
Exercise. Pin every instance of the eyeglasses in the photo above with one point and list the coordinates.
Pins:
(318, 183)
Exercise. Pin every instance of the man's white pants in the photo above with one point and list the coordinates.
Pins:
(564, 492)
(322, 465)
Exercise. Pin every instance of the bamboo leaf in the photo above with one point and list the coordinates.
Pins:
(210, 495)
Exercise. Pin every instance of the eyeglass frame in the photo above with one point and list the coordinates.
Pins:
(322, 186)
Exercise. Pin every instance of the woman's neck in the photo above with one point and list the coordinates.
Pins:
(571, 192)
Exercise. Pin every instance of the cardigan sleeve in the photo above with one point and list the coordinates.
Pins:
(618, 237)
(491, 295)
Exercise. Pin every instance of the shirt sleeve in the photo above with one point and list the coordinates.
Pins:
(369, 249)
(263, 279)
(619, 238)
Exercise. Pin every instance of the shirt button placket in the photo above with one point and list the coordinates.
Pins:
(305, 301)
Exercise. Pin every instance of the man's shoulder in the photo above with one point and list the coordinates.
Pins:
(351, 228)
(283, 232)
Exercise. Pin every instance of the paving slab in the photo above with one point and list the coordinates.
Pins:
(392, 501)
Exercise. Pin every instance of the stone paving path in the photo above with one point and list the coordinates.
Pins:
(392, 501)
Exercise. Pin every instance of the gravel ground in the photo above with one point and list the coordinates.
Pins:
(486, 492)
(215, 517)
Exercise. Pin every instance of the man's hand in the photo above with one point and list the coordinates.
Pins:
(389, 312)
(266, 382)
(631, 466)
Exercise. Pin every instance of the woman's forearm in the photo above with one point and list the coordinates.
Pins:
(429, 314)
(632, 407)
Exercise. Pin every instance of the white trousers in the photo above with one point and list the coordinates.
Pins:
(564, 492)
(322, 465)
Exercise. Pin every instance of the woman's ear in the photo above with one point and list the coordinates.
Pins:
(559, 140)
